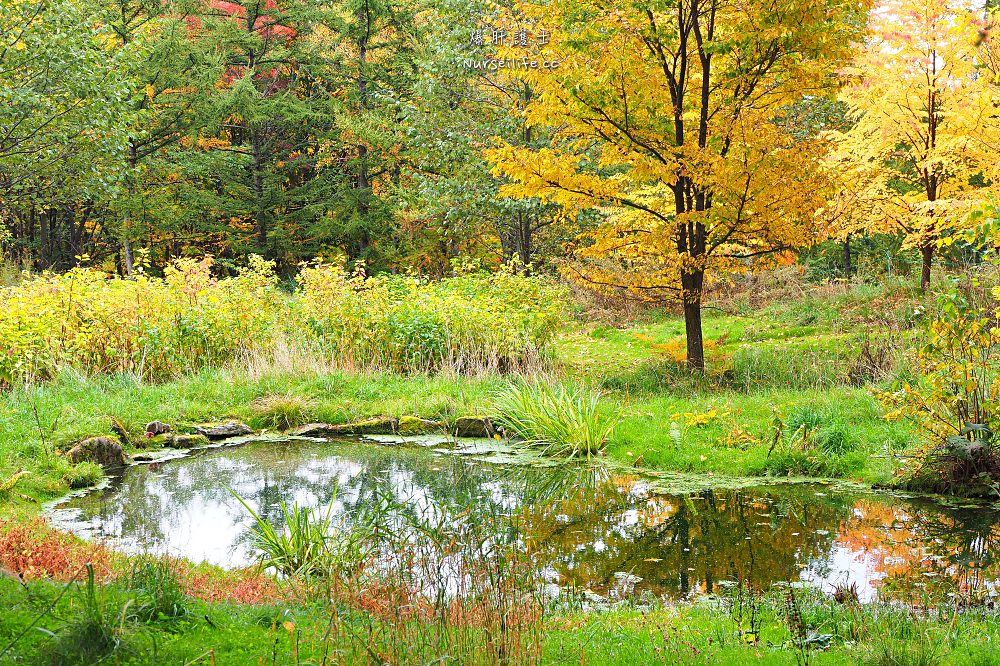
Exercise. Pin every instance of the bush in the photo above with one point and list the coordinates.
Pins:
(955, 403)
(157, 328)
(472, 323)
(148, 326)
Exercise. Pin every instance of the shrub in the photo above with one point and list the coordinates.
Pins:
(156, 328)
(471, 323)
(148, 326)
(956, 400)
(561, 421)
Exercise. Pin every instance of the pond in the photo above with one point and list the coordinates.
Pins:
(608, 531)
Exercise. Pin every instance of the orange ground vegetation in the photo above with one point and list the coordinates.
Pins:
(33, 549)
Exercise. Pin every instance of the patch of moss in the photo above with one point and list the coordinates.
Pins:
(414, 425)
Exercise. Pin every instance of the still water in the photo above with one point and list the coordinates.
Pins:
(609, 532)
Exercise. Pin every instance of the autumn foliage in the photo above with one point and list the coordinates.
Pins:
(666, 124)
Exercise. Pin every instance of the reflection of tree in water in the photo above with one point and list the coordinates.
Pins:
(681, 544)
(926, 549)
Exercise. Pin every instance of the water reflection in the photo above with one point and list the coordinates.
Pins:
(584, 529)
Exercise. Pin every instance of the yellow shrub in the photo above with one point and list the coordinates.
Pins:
(154, 327)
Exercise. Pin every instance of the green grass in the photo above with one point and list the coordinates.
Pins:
(561, 422)
(704, 632)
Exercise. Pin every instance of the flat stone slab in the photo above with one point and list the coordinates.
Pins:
(224, 430)
(381, 425)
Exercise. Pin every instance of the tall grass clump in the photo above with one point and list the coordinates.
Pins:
(311, 543)
(157, 589)
(479, 322)
(147, 326)
(565, 422)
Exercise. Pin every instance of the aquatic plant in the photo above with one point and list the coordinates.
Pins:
(561, 421)
(301, 547)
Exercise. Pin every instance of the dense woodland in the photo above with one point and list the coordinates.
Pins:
(644, 150)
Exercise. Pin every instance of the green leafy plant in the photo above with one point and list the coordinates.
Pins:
(566, 422)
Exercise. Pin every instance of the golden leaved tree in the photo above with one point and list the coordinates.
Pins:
(664, 116)
(922, 150)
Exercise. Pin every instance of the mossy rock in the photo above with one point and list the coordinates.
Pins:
(224, 430)
(474, 426)
(314, 430)
(104, 451)
(414, 425)
(379, 425)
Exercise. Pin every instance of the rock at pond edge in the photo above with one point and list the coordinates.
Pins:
(224, 430)
(104, 451)
(313, 430)
(414, 425)
(474, 426)
(154, 428)
(184, 441)
(379, 425)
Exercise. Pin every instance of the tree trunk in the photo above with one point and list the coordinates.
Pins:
(133, 160)
(692, 284)
(847, 256)
(927, 252)
(258, 190)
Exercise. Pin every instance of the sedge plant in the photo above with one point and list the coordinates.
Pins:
(562, 422)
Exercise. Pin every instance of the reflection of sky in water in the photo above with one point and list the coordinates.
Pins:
(611, 534)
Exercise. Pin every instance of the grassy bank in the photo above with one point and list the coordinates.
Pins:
(789, 391)
(115, 624)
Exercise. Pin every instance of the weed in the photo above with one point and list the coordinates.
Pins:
(96, 633)
(158, 591)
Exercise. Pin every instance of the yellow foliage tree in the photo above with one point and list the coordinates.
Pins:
(665, 120)
(922, 148)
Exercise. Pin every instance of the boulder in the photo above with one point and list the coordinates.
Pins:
(474, 426)
(414, 425)
(104, 451)
(224, 430)
(155, 428)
